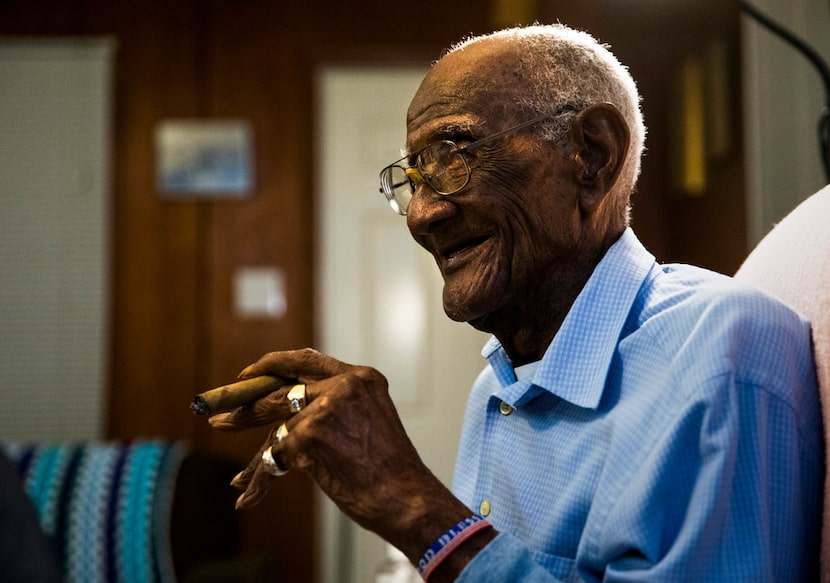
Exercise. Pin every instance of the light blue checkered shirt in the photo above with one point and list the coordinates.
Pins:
(672, 432)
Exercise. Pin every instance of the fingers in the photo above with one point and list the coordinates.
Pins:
(343, 413)
(257, 477)
(305, 365)
(273, 408)
(253, 488)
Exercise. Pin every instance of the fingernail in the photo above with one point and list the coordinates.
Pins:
(236, 478)
(245, 371)
(239, 501)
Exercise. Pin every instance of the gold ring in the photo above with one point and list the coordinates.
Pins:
(296, 398)
(281, 433)
(270, 465)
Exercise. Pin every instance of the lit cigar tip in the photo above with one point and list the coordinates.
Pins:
(199, 406)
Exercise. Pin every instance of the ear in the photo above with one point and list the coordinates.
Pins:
(600, 140)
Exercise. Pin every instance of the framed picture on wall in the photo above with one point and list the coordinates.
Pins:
(204, 158)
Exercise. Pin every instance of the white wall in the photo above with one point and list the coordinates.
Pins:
(783, 97)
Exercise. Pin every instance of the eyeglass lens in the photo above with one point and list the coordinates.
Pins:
(397, 187)
(442, 166)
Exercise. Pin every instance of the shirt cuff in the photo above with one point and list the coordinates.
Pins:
(505, 558)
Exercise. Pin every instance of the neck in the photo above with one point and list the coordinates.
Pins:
(526, 328)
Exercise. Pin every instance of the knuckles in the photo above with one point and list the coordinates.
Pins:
(371, 377)
(307, 354)
(360, 382)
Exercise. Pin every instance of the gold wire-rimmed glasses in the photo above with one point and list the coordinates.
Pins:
(442, 165)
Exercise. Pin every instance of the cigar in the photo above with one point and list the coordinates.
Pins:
(229, 397)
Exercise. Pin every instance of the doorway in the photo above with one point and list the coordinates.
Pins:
(379, 294)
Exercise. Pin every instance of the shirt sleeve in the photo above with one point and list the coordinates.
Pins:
(732, 493)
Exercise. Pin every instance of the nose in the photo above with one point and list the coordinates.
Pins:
(427, 208)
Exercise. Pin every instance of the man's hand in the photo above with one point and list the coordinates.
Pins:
(349, 438)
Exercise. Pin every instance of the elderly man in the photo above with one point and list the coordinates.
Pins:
(635, 422)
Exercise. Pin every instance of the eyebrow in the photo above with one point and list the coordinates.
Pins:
(447, 130)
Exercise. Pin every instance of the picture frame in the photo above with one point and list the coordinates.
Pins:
(204, 158)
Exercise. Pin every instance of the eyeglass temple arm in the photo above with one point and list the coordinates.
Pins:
(535, 120)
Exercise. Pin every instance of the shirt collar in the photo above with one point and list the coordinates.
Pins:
(576, 363)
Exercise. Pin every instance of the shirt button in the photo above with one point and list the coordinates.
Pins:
(484, 508)
(505, 408)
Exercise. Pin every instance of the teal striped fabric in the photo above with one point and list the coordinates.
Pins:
(105, 506)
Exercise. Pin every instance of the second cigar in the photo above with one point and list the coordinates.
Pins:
(229, 397)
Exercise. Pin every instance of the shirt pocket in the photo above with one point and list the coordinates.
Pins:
(563, 568)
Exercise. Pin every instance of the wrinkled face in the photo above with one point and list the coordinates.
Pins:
(515, 225)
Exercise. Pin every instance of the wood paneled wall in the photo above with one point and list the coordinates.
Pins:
(172, 329)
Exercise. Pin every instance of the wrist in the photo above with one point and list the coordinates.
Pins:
(451, 551)
(423, 518)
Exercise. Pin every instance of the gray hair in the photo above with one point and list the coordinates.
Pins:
(568, 67)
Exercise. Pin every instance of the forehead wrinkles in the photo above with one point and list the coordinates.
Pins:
(477, 117)
(476, 87)
(469, 113)
(437, 110)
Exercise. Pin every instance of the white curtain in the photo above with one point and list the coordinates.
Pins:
(54, 223)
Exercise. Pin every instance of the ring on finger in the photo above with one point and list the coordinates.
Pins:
(270, 465)
(281, 433)
(296, 398)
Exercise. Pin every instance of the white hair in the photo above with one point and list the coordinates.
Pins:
(567, 67)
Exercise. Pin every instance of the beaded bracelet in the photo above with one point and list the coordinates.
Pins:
(448, 542)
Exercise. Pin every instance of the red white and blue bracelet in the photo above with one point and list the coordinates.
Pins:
(448, 542)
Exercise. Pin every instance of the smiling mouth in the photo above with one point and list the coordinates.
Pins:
(456, 251)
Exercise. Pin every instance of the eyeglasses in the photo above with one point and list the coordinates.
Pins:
(441, 165)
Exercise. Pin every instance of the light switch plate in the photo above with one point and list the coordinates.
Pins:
(259, 292)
